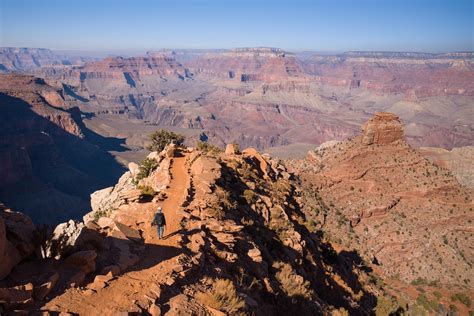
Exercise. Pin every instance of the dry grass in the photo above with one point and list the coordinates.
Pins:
(223, 298)
(292, 284)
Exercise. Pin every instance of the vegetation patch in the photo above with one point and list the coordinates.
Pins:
(224, 297)
(205, 147)
(147, 166)
(291, 283)
(160, 138)
(146, 192)
(463, 298)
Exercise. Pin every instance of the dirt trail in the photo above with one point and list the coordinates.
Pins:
(137, 287)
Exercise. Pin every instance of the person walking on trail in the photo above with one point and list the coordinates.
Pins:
(160, 222)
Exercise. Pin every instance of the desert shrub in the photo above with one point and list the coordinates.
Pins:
(377, 281)
(437, 294)
(147, 166)
(101, 213)
(419, 281)
(311, 225)
(426, 303)
(386, 306)
(249, 196)
(463, 298)
(146, 192)
(225, 199)
(291, 283)
(223, 298)
(208, 148)
(161, 138)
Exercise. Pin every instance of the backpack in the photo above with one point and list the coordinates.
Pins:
(159, 219)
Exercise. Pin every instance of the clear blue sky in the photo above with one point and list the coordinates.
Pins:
(331, 25)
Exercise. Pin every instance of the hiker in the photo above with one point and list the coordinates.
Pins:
(159, 221)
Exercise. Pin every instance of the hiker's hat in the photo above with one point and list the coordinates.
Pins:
(159, 208)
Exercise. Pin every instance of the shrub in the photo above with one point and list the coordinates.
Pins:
(147, 192)
(419, 281)
(463, 298)
(147, 166)
(437, 294)
(208, 148)
(292, 284)
(249, 196)
(223, 298)
(99, 214)
(161, 138)
(426, 303)
(386, 306)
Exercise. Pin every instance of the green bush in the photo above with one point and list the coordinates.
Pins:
(419, 281)
(426, 303)
(101, 213)
(161, 138)
(147, 166)
(206, 148)
(386, 306)
(463, 298)
(147, 191)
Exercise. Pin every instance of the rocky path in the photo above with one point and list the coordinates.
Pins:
(138, 288)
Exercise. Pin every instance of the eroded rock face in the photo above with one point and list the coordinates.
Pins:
(17, 239)
(71, 237)
(384, 128)
(385, 199)
(44, 147)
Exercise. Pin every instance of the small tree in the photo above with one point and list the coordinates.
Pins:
(161, 138)
(147, 166)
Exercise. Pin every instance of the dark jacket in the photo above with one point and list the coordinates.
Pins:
(159, 219)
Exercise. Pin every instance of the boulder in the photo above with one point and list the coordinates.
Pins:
(17, 239)
(113, 269)
(83, 260)
(171, 150)
(205, 171)
(231, 149)
(44, 289)
(255, 255)
(262, 165)
(18, 295)
(160, 178)
(72, 236)
(134, 168)
(155, 155)
(105, 222)
(110, 198)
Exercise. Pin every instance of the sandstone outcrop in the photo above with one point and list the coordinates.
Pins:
(384, 128)
(381, 196)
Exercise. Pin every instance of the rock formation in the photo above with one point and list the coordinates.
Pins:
(29, 59)
(382, 129)
(17, 239)
(266, 97)
(382, 197)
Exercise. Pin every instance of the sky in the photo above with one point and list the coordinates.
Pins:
(318, 25)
